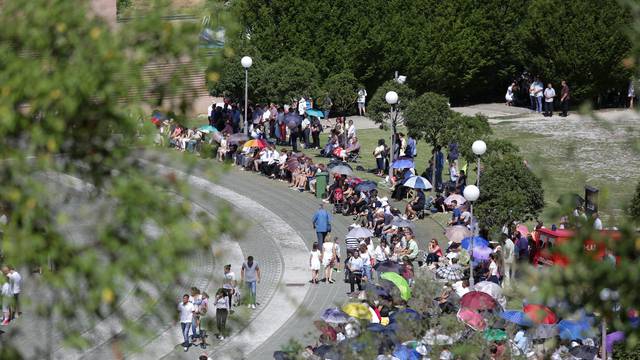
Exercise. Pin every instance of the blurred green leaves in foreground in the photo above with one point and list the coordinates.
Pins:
(71, 95)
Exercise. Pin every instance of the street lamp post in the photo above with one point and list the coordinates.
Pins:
(391, 98)
(471, 193)
(478, 147)
(246, 62)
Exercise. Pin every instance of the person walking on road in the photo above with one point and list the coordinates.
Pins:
(222, 311)
(186, 310)
(250, 275)
(315, 260)
(322, 224)
(356, 266)
(15, 282)
(565, 96)
(229, 283)
(329, 258)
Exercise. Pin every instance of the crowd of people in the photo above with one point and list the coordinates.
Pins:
(383, 258)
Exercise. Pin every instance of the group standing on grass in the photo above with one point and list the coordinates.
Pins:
(542, 99)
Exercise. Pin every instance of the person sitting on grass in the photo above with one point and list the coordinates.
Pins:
(415, 205)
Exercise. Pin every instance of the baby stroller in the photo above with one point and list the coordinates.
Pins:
(338, 200)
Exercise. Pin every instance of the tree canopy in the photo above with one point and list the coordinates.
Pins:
(378, 109)
(427, 117)
(509, 192)
(342, 89)
(72, 88)
(465, 49)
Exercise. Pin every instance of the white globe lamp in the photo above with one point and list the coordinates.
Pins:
(479, 147)
(391, 97)
(471, 193)
(246, 62)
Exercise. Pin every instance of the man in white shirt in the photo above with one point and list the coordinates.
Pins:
(186, 310)
(15, 282)
(549, 95)
(509, 258)
(538, 88)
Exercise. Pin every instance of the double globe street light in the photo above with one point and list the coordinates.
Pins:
(471, 193)
(391, 97)
(246, 62)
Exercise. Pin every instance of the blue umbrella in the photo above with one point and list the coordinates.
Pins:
(381, 329)
(207, 128)
(292, 120)
(335, 316)
(575, 330)
(377, 290)
(409, 314)
(516, 317)
(418, 182)
(405, 353)
(402, 164)
(316, 113)
(477, 242)
(366, 186)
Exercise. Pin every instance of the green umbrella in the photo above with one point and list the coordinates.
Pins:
(400, 282)
(495, 335)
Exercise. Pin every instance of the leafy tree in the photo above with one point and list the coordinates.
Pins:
(227, 77)
(428, 117)
(287, 79)
(464, 130)
(342, 89)
(378, 109)
(634, 206)
(71, 90)
(583, 42)
(509, 192)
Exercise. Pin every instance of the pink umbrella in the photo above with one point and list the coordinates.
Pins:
(522, 229)
(457, 233)
(472, 319)
(477, 300)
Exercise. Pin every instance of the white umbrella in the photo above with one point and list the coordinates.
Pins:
(418, 182)
(492, 289)
(457, 197)
(359, 233)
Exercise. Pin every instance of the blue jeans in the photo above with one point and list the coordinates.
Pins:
(194, 327)
(532, 99)
(366, 271)
(321, 236)
(539, 104)
(185, 333)
(326, 114)
(252, 291)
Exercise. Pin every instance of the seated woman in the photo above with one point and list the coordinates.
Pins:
(417, 204)
(435, 252)
(314, 180)
(223, 149)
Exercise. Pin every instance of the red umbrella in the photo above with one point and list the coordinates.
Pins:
(472, 319)
(477, 300)
(540, 314)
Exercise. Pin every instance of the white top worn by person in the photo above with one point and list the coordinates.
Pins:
(362, 95)
(351, 132)
(509, 255)
(302, 106)
(15, 280)
(549, 94)
(186, 312)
